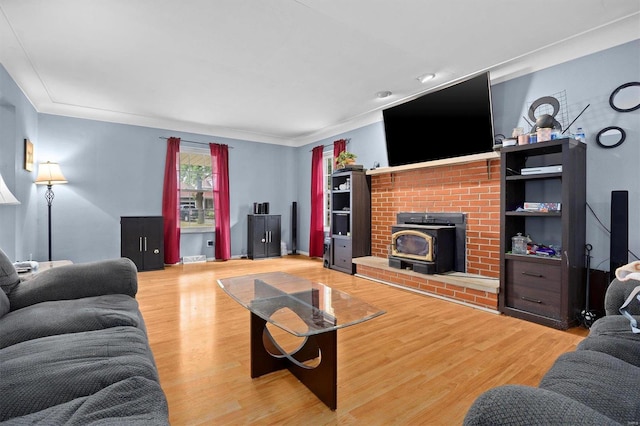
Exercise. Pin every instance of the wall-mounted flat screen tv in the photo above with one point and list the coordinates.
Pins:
(453, 121)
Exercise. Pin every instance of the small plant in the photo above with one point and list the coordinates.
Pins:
(346, 157)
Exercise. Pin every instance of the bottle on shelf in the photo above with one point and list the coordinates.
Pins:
(580, 136)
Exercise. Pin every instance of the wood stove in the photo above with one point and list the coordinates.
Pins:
(428, 242)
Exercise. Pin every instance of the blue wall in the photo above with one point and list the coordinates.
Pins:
(18, 121)
(589, 81)
(367, 143)
(116, 170)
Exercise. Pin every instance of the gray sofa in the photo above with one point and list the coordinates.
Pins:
(597, 384)
(74, 348)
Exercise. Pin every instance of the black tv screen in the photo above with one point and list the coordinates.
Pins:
(450, 122)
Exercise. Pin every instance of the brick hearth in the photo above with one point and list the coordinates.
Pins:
(463, 288)
(471, 188)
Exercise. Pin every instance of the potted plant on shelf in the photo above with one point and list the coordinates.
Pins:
(345, 158)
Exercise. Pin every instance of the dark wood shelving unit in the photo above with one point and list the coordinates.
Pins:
(546, 290)
(350, 219)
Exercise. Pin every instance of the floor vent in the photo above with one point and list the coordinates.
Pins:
(194, 259)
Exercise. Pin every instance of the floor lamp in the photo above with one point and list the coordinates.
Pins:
(49, 174)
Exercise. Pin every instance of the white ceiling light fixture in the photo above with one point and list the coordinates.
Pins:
(384, 94)
(426, 77)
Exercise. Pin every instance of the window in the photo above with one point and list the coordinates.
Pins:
(327, 159)
(196, 190)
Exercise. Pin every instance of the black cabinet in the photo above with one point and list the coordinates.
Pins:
(543, 288)
(142, 240)
(263, 236)
(350, 219)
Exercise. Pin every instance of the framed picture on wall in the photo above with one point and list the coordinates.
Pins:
(28, 155)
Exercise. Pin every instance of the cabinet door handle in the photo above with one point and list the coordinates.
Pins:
(140, 241)
(528, 299)
(532, 274)
(145, 243)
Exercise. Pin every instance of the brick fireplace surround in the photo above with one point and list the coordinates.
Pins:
(472, 188)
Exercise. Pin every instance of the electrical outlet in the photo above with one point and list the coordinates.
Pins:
(209, 243)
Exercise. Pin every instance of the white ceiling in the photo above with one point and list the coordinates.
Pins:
(287, 72)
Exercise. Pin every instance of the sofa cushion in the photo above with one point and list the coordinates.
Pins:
(69, 316)
(598, 380)
(525, 405)
(4, 305)
(132, 401)
(8, 275)
(612, 335)
(41, 373)
(113, 276)
(614, 325)
(621, 348)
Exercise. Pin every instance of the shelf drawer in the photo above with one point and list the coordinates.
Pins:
(342, 251)
(533, 287)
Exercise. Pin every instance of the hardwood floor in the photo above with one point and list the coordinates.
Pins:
(423, 362)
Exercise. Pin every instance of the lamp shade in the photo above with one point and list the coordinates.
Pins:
(6, 197)
(50, 174)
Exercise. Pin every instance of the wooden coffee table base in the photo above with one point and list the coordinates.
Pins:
(311, 313)
(267, 356)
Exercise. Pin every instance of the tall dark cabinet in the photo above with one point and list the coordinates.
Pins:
(263, 236)
(142, 240)
(350, 218)
(549, 290)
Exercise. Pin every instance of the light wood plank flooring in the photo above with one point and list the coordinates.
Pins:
(423, 362)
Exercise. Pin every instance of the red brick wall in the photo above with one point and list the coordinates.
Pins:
(472, 188)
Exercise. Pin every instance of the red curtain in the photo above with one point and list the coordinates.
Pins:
(316, 233)
(170, 202)
(338, 146)
(220, 171)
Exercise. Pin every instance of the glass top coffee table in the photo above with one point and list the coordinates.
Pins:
(305, 309)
